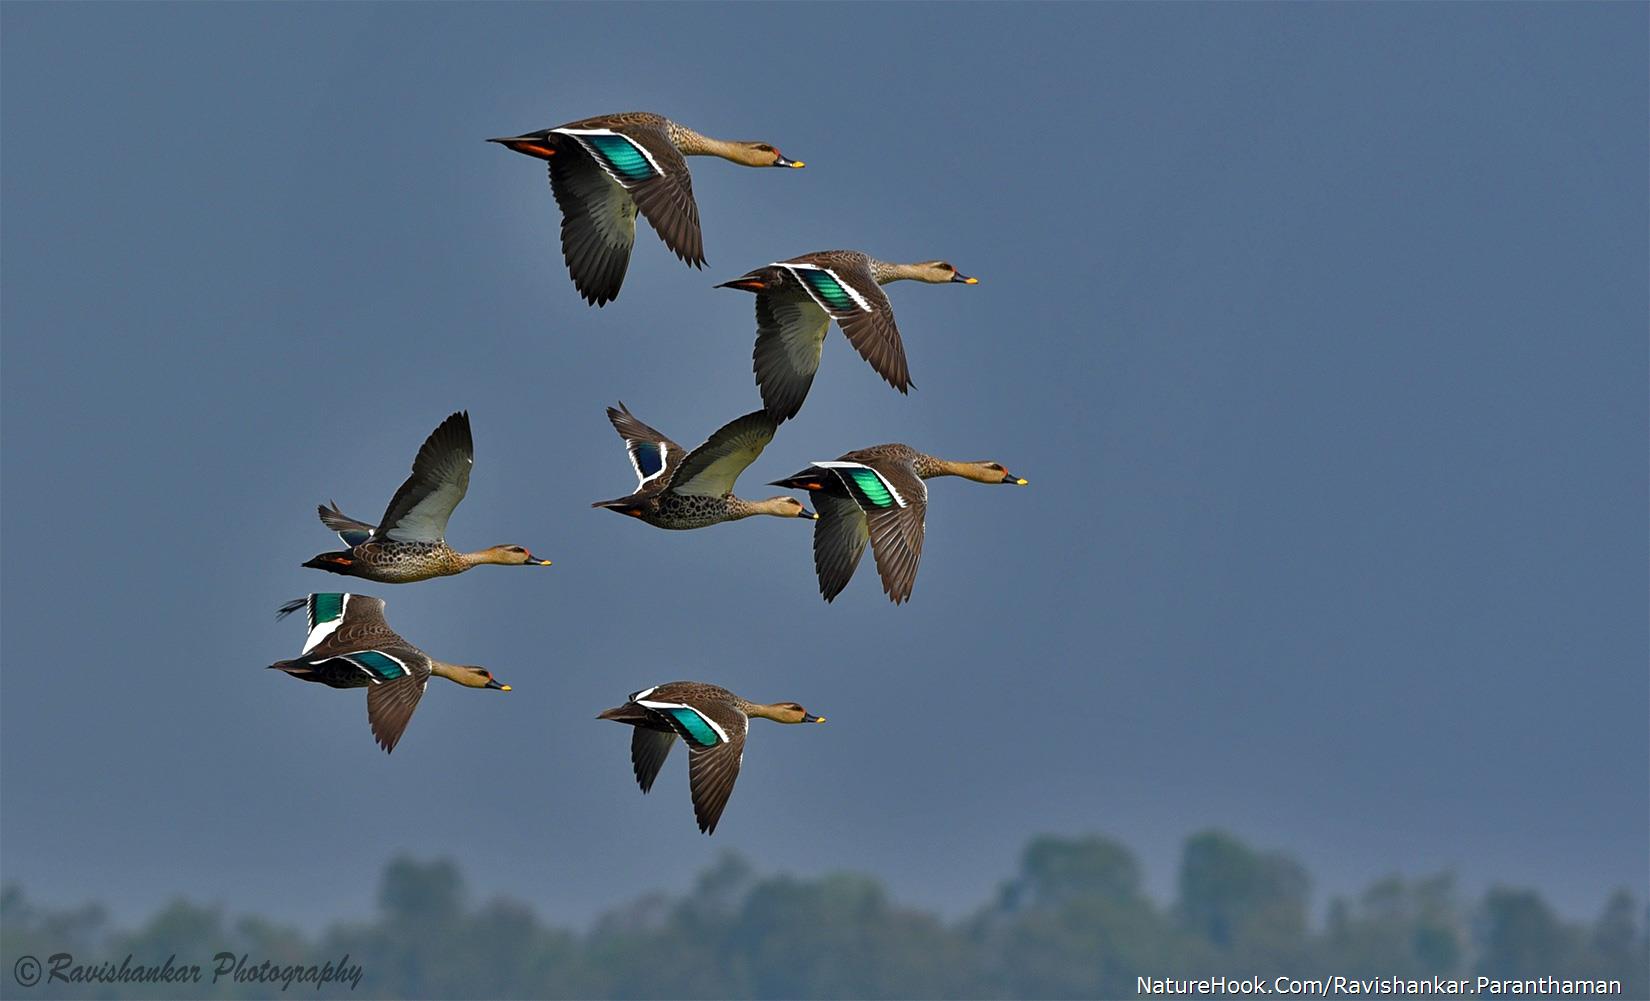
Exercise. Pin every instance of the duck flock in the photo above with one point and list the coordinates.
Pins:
(604, 171)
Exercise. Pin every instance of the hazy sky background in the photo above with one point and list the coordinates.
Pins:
(1319, 331)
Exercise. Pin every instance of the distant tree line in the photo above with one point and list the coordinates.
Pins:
(1073, 922)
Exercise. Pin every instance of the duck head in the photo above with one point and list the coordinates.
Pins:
(468, 675)
(786, 712)
(509, 556)
(756, 154)
(784, 507)
(941, 272)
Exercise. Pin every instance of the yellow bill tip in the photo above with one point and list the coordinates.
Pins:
(503, 687)
(1020, 481)
(971, 281)
(797, 164)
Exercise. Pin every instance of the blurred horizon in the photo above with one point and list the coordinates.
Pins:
(1071, 920)
(1318, 330)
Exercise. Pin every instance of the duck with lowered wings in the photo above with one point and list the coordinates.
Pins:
(607, 169)
(351, 646)
(877, 495)
(712, 721)
(797, 299)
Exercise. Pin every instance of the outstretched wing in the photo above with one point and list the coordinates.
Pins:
(651, 454)
(840, 536)
(341, 623)
(648, 750)
(642, 159)
(712, 772)
(598, 224)
(711, 469)
(440, 477)
(790, 332)
(894, 501)
(851, 295)
(390, 706)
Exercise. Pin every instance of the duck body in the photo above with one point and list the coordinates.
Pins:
(350, 645)
(607, 169)
(796, 300)
(877, 495)
(681, 490)
(408, 544)
(389, 561)
(712, 721)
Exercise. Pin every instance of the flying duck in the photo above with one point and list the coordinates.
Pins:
(678, 489)
(712, 721)
(351, 646)
(797, 299)
(877, 495)
(604, 170)
(408, 543)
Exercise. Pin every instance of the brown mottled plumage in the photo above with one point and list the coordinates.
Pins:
(682, 490)
(408, 544)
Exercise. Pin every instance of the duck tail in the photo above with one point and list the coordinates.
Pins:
(751, 281)
(623, 505)
(353, 532)
(340, 562)
(809, 479)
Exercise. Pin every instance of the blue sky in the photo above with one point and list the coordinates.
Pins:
(1319, 331)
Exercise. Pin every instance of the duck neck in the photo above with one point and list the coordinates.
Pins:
(738, 507)
(760, 710)
(885, 272)
(691, 143)
(481, 557)
(466, 676)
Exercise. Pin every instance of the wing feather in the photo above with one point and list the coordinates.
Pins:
(711, 469)
(440, 477)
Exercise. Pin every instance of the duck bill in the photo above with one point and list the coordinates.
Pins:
(534, 145)
(962, 279)
(806, 718)
(495, 685)
(1014, 481)
(808, 515)
(748, 284)
(780, 161)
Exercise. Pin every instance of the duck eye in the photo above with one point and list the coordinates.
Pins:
(764, 147)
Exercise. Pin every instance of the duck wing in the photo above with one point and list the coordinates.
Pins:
(711, 469)
(894, 501)
(351, 531)
(790, 332)
(440, 477)
(391, 701)
(713, 770)
(641, 159)
(840, 536)
(844, 287)
(341, 623)
(652, 455)
(648, 750)
(598, 224)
